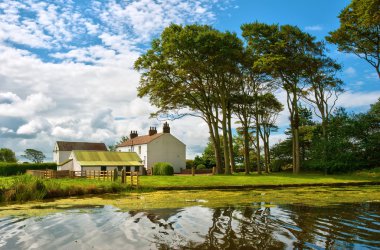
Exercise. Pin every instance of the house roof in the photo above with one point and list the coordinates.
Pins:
(144, 139)
(63, 163)
(107, 158)
(70, 146)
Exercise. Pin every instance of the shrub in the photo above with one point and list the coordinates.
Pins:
(189, 164)
(163, 168)
(7, 169)
(201, 166)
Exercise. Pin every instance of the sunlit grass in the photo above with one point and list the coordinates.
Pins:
(25, 188)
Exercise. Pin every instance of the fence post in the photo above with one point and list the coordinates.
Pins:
(115, 174)
(192, 171)
(123, 176)
(213, 170)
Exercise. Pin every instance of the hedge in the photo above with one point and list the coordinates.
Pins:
(201, 166)
(163, 168)
(7, 169)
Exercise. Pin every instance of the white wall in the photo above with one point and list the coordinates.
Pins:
(67, 166)
(143, 154)
(167, 148)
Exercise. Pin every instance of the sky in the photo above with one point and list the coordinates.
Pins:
(66, 67)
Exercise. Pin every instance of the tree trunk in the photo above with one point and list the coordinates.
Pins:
(246, 149)
(227, 169)
(230, 142)
(297, 150)
(216, 140)
(325, 141)
(258, 147)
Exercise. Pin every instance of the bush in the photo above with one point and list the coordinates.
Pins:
(163, 168)
(7, 169)
(201, 166)
(189, 164)
(277, 165)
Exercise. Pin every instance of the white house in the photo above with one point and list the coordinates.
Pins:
(156, 147)
(62, 149)
(83, 160)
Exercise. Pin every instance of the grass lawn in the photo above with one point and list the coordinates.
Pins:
(255, 179)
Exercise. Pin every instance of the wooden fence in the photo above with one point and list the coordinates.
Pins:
(123, 176)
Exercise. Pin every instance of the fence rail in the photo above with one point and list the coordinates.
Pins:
(114, 175)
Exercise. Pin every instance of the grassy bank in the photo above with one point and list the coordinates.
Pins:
(25, 187)
(255, 179)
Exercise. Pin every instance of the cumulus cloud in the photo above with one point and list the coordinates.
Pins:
(314, 28)
(67, 68)
(350, 71)
(12, 105)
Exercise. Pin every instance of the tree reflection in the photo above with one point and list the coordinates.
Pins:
(261, 227)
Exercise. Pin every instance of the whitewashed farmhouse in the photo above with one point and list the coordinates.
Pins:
(62, 149)
(83, 160)
(156, 147)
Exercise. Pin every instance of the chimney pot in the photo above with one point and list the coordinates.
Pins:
(152, 131)
(166, 128)
(133, 134)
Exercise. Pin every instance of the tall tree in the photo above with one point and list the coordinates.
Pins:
(34, 155)
(270, 107)
(284, 51)
(324, 89)
(7, 155)
(359, 31)
(191, 68)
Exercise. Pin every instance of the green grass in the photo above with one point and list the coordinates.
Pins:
(25, 187)
(254, 179)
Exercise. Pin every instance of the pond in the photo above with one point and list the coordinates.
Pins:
(193, 224)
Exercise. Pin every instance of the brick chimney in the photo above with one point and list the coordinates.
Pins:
(152, 131)
(166, 128)
(133, 134)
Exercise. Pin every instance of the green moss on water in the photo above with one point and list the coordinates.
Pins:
(312, 196)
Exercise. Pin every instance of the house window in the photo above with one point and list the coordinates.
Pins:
(103, 168)
(132, 149)
(139, 150)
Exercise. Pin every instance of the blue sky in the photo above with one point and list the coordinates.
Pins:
(66, 67)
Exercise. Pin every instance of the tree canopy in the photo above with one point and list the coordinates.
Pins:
(34, 155)
(359, 31)
(7, 155)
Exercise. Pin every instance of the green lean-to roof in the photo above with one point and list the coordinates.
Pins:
(106, 158)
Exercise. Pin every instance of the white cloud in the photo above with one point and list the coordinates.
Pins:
(34, 127)
(350, 71)
(357, 99)
(13, 105)
(314, 28)
(84, 77)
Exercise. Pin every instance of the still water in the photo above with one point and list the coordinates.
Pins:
(197, 226)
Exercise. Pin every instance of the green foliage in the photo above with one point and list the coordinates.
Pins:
(7, 155)
(189, 164)
(28, 187)
(7, 169)
(359, 31)
(354, 143)
(33, 155)
(163, 168)
(201, 166)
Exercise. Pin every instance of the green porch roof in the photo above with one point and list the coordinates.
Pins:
(107, 158)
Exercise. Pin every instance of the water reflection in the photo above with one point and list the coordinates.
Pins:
(253, 226)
